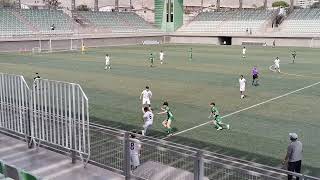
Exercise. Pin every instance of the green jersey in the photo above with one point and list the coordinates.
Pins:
(215, 111)
(151, 58)
(169, 113)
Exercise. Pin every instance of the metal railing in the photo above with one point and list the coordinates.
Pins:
(14, 104)
(55, 115)
(161, 159)
(60, 116)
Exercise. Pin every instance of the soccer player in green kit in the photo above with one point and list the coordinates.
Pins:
(151, 58)
(190, 54)
(214, 113)
(167, 123)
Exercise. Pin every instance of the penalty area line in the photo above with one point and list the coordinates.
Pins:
(247, 108)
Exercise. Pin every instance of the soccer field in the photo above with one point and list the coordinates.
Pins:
(283, 103)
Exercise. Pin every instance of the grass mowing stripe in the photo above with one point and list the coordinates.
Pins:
(250, 107)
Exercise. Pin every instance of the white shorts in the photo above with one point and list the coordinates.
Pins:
(277, 66)
(161, 59)
(242, 89)
(146, 127)
(134, 160)
(146, 101)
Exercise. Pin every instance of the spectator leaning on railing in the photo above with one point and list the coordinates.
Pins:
(294, 155)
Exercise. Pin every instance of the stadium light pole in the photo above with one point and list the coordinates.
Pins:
(218, 4)
(240, 4)
(96, 5)
(116, 5)
(73, 5)
(291, 4)
(265, 4)
(18, 2)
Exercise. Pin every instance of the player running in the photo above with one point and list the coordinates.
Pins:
(255, 76)
(294, 54)
(151, 59)
(145, 96)
(167, 123)
(83, 48)
(190, 54)
(108, 63)
(242, 83)
(214, 113)
(134, 147)
(161, 56)
(277, 64)
(244, 50)
(148, 120)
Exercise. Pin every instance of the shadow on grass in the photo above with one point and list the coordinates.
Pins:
(249, 156)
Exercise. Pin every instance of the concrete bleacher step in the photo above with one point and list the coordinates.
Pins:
(157, 171)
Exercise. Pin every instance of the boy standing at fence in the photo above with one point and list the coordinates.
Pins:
(214, 113)
(134, 147)
(168, 121)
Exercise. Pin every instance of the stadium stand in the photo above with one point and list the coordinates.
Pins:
(228, 22)
(10, 25)
(118, 21)
(43, 19)
(302, 21)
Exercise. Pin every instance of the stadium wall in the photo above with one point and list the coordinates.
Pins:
(238, 40)
(69, 43)
(75, 43)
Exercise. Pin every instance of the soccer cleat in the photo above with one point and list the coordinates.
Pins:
(228, 126)
(220, 128)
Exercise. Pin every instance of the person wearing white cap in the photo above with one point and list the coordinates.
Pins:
(294, 155)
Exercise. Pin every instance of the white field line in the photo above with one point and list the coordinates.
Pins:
(250, 107)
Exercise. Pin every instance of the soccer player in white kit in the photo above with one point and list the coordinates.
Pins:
(244, 50)
(161, 54)
(242, 83)
(148, 120)
(108, 63)
(277, 64)
(134, 147)
(146, 96)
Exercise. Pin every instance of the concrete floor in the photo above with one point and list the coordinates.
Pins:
(47, 164)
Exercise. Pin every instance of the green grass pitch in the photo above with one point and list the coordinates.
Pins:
(259, 134)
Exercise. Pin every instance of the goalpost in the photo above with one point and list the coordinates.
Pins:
(315, 42)
(57, 45)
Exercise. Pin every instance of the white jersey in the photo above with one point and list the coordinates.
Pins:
(148, 117)
(146, 95)
(242, 83)
(107, 60)
(161, 56)
(244, 51)
(134, 146)
(277, 61)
